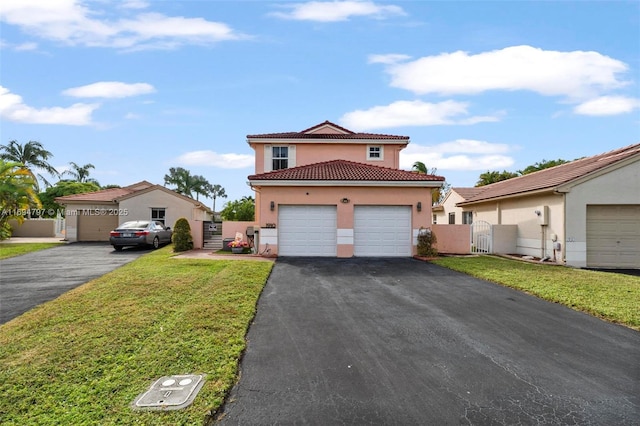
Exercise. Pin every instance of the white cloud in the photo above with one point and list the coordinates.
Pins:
(335, 11)
(214, 159)
(110, 89)
(412, 113)
(575, 74)
(134, 4)
(72, 22)
(607, 105)
(461, 154)
(388, 59)
(13, 108)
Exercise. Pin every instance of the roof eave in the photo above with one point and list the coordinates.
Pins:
(380, 141)
(551, 189)
(365, 183)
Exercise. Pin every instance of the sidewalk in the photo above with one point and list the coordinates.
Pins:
(33, 240)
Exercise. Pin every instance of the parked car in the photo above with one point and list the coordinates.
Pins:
(140, 233)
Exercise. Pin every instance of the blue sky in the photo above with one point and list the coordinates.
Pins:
(136, 87)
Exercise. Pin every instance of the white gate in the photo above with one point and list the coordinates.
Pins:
(481, 237)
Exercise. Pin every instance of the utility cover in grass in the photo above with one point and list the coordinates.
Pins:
(170, 393)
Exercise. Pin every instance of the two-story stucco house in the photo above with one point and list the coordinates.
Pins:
(329, 191)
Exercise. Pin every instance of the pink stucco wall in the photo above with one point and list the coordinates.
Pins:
(379, 196)
(453, 239)
(310, 153)
(229, 228)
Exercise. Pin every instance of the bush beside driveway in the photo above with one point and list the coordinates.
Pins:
(397, 341)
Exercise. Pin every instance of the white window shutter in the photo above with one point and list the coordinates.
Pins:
(268, 163)
(292, 156)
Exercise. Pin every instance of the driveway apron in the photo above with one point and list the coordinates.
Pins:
(34, 278)
(403, 342)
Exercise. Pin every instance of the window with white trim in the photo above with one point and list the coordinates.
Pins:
(158, 214)
(375, 152)
(280, 157)
(452, 218)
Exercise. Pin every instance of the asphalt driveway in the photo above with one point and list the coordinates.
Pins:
(27, 281)
(402, 342)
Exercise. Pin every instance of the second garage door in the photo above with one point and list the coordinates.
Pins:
(307, 231)
(382, 231)
(613, 236)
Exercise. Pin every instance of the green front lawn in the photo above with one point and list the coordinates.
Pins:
(84, 357)
(17, 249)
(613, 297)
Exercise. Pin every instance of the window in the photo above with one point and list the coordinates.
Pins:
(435, 219)
(467, 218)
(452, 218)
(158, 214)
(280, 157)
(374, 152)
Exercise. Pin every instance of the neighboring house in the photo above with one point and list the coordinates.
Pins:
(328, 191)
(585, 213)
(448, 212)
(91, 216)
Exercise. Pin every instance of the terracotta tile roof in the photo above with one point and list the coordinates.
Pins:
(553, 177)
(343, 170)
(308, 134)
(467, 193)
(114, 195)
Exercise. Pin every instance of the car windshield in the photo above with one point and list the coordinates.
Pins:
(134, 225)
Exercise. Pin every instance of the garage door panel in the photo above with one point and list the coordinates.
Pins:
(307, 231)
(95, 227)
(613, 236)
(382, 231)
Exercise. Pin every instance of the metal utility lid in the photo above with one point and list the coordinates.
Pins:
(170, 393)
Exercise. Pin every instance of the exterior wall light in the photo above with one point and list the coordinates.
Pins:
(345, 200)
(272, 206)
(419, 206)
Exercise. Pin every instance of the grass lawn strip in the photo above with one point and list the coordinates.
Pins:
(610, 296)
(16, 249)
(84, 357)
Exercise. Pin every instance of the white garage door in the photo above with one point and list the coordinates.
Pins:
(382, 231)
(95, 226)
(307, 231)
(613, 236)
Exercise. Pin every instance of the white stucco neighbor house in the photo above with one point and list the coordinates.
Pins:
(585, 213)
(92, 215)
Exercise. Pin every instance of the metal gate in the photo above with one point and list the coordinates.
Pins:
(481, 237)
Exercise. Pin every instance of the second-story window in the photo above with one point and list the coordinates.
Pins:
(374, 152)
(280, 157)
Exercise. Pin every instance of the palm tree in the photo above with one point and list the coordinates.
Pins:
(216, 191)
(186, 183)
(81, 173)
(17, 194)
(31, 156)
(436, 193)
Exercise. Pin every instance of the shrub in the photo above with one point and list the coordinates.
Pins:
(426, 240)
(182, 239)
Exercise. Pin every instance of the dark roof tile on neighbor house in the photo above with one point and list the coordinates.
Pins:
(554, 177)
(343, 170)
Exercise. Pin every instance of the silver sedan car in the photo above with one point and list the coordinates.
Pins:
(140, 233)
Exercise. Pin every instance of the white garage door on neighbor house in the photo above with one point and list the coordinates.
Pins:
(382, 231)
(307, 231)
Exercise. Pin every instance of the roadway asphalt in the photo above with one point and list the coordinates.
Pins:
(402, 342)
(29, 280)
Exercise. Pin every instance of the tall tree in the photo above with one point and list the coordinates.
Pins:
(32, 156)
(488, 177)
(541, 165)
(81, 173)
(216, 191)
(17, 194)
(243, 209)
(437, 194)
(187, 184)
(60, 189)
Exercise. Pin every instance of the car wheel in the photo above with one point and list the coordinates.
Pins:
(117, 248)
(156, 243)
